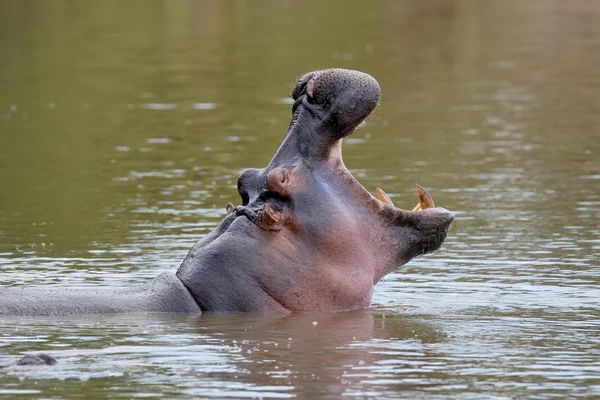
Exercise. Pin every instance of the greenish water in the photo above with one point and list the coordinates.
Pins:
(124, 126)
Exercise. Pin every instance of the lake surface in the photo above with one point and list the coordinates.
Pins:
(124, 127)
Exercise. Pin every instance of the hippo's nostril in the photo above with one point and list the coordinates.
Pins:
(310, 88)
(302, 83)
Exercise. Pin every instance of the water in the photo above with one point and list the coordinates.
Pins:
(123, 129)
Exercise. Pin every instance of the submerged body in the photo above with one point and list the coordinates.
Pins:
(307, 236)
(165, 293)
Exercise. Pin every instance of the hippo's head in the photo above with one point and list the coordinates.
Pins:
(308, 236)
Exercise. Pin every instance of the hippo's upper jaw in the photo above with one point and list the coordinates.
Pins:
(308, 236)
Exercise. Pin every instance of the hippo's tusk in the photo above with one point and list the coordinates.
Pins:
(425, 200)
(384, 197)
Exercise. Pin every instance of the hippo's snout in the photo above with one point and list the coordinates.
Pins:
(324, 86)
(329, 105)
(327, 87)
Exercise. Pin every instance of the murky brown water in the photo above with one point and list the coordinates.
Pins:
(123, 128)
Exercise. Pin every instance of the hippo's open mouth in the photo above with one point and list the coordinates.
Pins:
(308, 235)
(328, 106)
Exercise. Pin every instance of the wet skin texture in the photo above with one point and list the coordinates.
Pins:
(307, 236)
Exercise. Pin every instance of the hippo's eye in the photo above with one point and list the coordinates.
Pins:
(244, 195)
(249, 184)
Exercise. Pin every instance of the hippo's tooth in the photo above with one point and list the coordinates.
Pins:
(229, 208)
(425, 200)
(384, 197)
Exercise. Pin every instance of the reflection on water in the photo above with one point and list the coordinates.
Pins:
(123, 129)
(268, 356)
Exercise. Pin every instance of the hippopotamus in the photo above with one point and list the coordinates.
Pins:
(32, 359)
(307, 236)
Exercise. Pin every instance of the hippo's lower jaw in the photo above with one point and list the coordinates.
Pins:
(307, 236)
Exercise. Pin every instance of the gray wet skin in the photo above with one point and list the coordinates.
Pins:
(307, 236)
